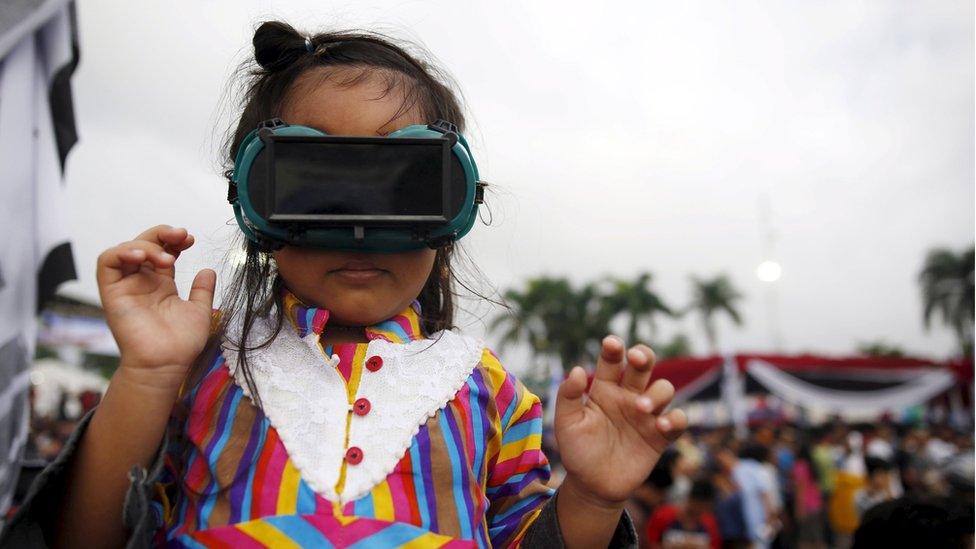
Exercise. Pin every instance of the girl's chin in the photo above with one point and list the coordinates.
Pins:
(358, 315)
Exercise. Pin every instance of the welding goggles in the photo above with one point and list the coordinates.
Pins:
(415, 188)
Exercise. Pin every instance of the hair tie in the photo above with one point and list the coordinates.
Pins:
(308, 45)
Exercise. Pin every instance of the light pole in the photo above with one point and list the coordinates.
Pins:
(769, 270)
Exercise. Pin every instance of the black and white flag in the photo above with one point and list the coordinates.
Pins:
(38, 54)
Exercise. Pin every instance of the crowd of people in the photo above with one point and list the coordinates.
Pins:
(835, 485)
(779, 485)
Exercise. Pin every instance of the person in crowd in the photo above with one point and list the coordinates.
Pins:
(753, 482)
(688, 525)
(807, 502)
(729, 512)
(648, 497)
(877, 489)
(915, 521)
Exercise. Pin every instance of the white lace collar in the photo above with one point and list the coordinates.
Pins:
(304, 397)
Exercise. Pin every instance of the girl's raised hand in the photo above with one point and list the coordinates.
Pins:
(158, 333)
(611, 437)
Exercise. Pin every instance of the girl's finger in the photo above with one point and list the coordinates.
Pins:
(178, 247)
(640, 362)
(155, 254)
(611, 361)
(672, 424)
(129, 257)
(204, 284)
(569, 399)
(660, 392)
(162, 235)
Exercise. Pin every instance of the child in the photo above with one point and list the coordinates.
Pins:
(332, 405)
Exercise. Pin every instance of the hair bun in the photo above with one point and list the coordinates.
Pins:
(277, 45)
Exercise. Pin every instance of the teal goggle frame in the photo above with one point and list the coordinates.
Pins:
(251, 192)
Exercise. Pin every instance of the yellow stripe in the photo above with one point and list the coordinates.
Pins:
(515, 448)
(383, 502)
(357, 372)
(341, 483)
(288, 490)
(527, 520)
(414, 322)
(267, 535)
(427, 540)
(344, 520)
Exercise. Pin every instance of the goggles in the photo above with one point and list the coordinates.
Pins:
(415, 188)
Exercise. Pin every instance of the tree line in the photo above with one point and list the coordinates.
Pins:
(561, 321)
(564, 322)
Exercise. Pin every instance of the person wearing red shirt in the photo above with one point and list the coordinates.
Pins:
(688, 525)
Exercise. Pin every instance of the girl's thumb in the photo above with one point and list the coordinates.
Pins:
(202, 291)
(570, 396)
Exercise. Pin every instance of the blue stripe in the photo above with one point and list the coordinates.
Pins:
(527, 502)
(522, 430)
(306, 500)
(394, 535)
(215, 454)
(393, 326)
(511, 405)
(418, 483)
(364, 506)
(300, 531)
(508, 482)
(249, 489)
(474, 400)
(452, 452)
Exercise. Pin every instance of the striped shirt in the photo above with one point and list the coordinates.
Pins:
(474, 473)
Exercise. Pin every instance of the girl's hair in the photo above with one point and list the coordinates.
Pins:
(281, 56)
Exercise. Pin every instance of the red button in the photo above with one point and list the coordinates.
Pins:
(361, 407)
(374, 363)
(354, 455)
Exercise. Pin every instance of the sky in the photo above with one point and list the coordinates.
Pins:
(680, 138)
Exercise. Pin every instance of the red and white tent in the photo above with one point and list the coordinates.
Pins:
(852, 385)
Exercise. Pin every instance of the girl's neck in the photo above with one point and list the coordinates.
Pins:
(337, 333)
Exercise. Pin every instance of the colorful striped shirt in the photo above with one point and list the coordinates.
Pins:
(473, 475)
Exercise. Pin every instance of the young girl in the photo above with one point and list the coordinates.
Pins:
(331, 404)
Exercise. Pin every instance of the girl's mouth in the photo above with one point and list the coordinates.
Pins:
(358, 271)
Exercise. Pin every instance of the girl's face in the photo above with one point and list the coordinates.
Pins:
(358, 288)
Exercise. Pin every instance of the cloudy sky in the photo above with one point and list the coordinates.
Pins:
(624, 137)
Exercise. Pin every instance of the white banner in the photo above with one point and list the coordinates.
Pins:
(917, 388)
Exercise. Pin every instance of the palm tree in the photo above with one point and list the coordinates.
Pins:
(947, 289)
(639, 303)
(679, 346)
(881, 349)
(555, 320)
(712, 296)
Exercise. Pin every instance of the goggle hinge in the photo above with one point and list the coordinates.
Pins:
(479, 192)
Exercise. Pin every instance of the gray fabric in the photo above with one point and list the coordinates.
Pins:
(14, 414)
(18, 18)
(28, 526)
(544, 533)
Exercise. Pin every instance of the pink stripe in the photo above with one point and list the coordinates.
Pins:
(404, 323)
(347, 353)
(203, 403)
(226, 536)
(524, 462)
(272, 480)
(532, 413)
(351, 533)
(319, 320)
(399, 495)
